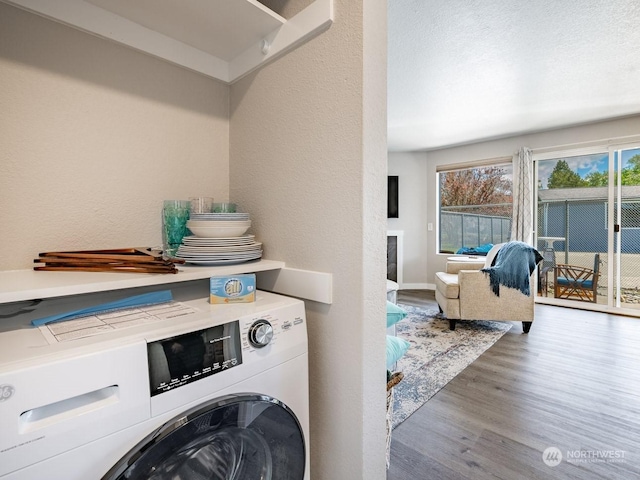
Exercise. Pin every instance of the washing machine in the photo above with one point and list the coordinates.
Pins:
(220, 393)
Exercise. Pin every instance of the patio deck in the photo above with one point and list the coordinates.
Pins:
(629, 278)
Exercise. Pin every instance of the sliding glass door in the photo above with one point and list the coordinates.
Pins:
(588, 225)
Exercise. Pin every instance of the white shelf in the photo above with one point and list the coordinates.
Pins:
(20, 285)
(223, 39)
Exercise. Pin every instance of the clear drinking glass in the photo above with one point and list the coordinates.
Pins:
(224, 207)
(201, 204)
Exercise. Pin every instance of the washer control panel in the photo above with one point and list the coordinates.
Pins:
(260, 333)
(276, 330)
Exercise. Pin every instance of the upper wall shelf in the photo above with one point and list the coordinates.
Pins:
(272, 275)
(224, 39)
(20, 285)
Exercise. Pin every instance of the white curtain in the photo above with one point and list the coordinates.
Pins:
(522, 220)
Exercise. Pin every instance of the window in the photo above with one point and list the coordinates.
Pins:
(475, 206)
(572, 194)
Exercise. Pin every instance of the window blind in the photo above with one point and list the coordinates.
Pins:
(487, 162)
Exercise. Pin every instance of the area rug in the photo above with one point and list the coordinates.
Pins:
(436, 355)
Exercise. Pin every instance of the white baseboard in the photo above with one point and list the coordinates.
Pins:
(418, 286)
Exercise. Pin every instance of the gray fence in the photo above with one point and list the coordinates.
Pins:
(461, 229)
(582, 225)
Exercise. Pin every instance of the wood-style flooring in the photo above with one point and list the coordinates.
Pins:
(572, 383)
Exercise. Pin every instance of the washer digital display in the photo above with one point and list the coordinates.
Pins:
(180, 360)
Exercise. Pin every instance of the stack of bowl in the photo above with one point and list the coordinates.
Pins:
(218, 225)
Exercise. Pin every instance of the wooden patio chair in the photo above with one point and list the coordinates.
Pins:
(577, 283)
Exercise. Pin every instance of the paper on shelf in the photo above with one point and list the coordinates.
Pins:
(145, 299)
(88, 326)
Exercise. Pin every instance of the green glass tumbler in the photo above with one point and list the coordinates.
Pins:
(175, 214)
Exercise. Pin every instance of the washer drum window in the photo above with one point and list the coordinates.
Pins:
(237, 437)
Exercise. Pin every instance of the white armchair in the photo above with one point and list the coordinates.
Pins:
(464, 292)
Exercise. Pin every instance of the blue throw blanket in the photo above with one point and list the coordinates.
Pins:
(480, 250)
(513, 265)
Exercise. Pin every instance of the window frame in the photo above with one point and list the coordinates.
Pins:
(500, 162)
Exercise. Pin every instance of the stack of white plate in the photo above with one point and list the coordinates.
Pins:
(219, 251)
(219, 239)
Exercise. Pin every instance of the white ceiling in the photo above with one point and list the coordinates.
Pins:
(467, 70)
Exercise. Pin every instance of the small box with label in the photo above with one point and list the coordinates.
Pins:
(233, 289)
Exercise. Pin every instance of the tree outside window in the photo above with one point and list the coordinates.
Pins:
(475, 207)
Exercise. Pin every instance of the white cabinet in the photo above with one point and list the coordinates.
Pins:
(224, 39)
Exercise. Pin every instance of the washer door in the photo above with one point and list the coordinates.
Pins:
(234, 437)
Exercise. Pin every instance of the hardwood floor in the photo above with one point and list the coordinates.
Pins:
(572, 383)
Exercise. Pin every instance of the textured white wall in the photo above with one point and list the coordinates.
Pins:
(93, 136)
(308, 149)
(411, 169)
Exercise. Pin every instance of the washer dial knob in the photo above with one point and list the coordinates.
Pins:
(260, 333)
